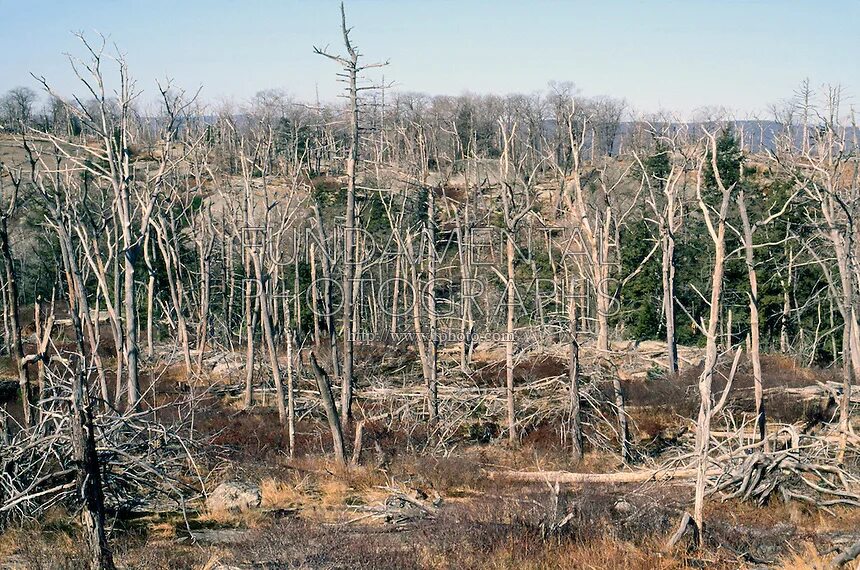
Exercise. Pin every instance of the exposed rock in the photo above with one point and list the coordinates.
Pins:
(224, 368)
(622, 507)
(485, 352)
(234, 496)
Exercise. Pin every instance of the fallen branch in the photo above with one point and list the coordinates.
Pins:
(622, 477)
(846, 556)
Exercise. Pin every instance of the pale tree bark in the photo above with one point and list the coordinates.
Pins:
(716, 225)
(109, 162)
(433, 341)
(262, 281)
(205, 244)
(166, 243)
(592, 214)
(825, 170)
(747, 233)
(55, 192)
(666, 203)
(328, 290)
(314, 294)
(512, 178)
(574, 411)
(352, 70)
(148, 251)
(513, 435)
(334, 423)
(755, 358)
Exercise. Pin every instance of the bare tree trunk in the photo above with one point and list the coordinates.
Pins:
(786, 304)
(15, 318)
(88, 476)
(291, 393)
(351, 70)
(130, 307)
(269, 338)
(845, 397)
(43, 336)
(703, 424)
(416, 309)
(395, 294)
(334, 423)
(91, 250)
(349, 251)
(205, 254)
(621, 410)
(433, 341)
(466, 325)
(314, 294)
(173, 267)
(576, 448)
(251, 302)
(328, 293)
(754, 353)
(150, 296)
(513, 436)
(229, 280)
(669, 303)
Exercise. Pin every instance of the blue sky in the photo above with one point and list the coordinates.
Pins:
(657, 54)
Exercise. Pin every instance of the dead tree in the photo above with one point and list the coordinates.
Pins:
(55, 187)
(334, 423)
(575, 411)
(327, 295)
(715, 221)
(664, 172)
(589, 197)
(514, 176)
(825, 169)
(88, 481)
(205, 241)
(747, 235)
(352, 71)
(108, 160)
(11, 290)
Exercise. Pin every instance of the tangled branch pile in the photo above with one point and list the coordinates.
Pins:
(142, 461)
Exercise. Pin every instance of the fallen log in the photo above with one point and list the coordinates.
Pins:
(847, 555)
(621, 477)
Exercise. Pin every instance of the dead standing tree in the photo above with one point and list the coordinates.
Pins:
(664, 172)
(351, 73)
(108, 159)
(11, 289)
(592, 199)
(715, 221)
(826, 170)
(56, 190)
(747, 235)
(515, 176)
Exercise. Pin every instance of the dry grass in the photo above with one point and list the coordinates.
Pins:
(249, 518)
(805, 558)
(603, 554)
(10, 541)
(279, 494)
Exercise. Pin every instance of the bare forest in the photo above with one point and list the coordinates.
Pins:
(400, 330)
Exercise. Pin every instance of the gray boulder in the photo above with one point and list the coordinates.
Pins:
(234, 496)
